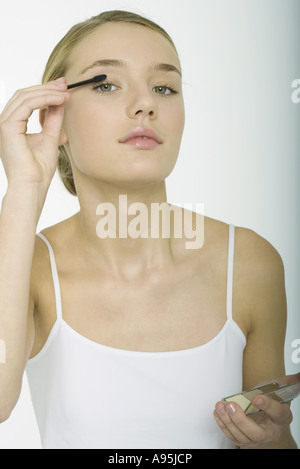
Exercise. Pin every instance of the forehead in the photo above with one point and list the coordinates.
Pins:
(123, 41)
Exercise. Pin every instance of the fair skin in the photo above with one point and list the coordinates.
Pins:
(153, 282)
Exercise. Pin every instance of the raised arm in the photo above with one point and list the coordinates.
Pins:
(29, 162)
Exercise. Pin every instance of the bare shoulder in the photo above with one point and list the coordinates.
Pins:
(249, 244)
(257, 261)
(258, 274)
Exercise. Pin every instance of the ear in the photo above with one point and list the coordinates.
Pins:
(63, 139)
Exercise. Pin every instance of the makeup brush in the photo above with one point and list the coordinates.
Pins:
(96, 79)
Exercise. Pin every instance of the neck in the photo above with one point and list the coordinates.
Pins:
(116, 224)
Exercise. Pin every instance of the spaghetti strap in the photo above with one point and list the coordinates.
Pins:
(54, 277)
(230, 271)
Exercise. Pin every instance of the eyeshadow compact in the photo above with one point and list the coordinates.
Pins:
(274, 390)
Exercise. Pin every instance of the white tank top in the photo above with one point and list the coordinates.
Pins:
(92, 396)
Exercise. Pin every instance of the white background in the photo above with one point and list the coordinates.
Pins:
(240, 151)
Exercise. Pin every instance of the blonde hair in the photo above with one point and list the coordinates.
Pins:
(58, 64)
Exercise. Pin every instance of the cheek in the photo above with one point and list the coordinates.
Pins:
(176, 124)
(86, 119)
(181, 117)
(176, 117)
(89, 129)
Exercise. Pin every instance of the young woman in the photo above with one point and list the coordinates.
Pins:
(128, 341)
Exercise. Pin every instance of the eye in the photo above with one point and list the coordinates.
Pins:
(105, 88)
(164, 90)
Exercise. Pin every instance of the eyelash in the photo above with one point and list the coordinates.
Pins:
(97, 89)
(172, 90)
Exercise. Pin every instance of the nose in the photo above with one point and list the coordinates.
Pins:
(142, 105)
(146, 112)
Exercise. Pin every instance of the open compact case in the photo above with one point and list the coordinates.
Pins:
(273, 390)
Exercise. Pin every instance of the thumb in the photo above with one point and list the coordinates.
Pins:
(289, 379)
(52, 124)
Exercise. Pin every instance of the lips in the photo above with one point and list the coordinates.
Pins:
(143, 138)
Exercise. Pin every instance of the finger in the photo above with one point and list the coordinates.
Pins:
(16, 122)
(53, 122)
(229, 427)
(31, 101)
(60, 83)
(245, 430)
(21, 95)
(224, 429)
(277, 412)
(289, 379)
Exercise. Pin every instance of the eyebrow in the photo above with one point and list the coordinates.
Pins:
(161, 67)
(167, 68)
